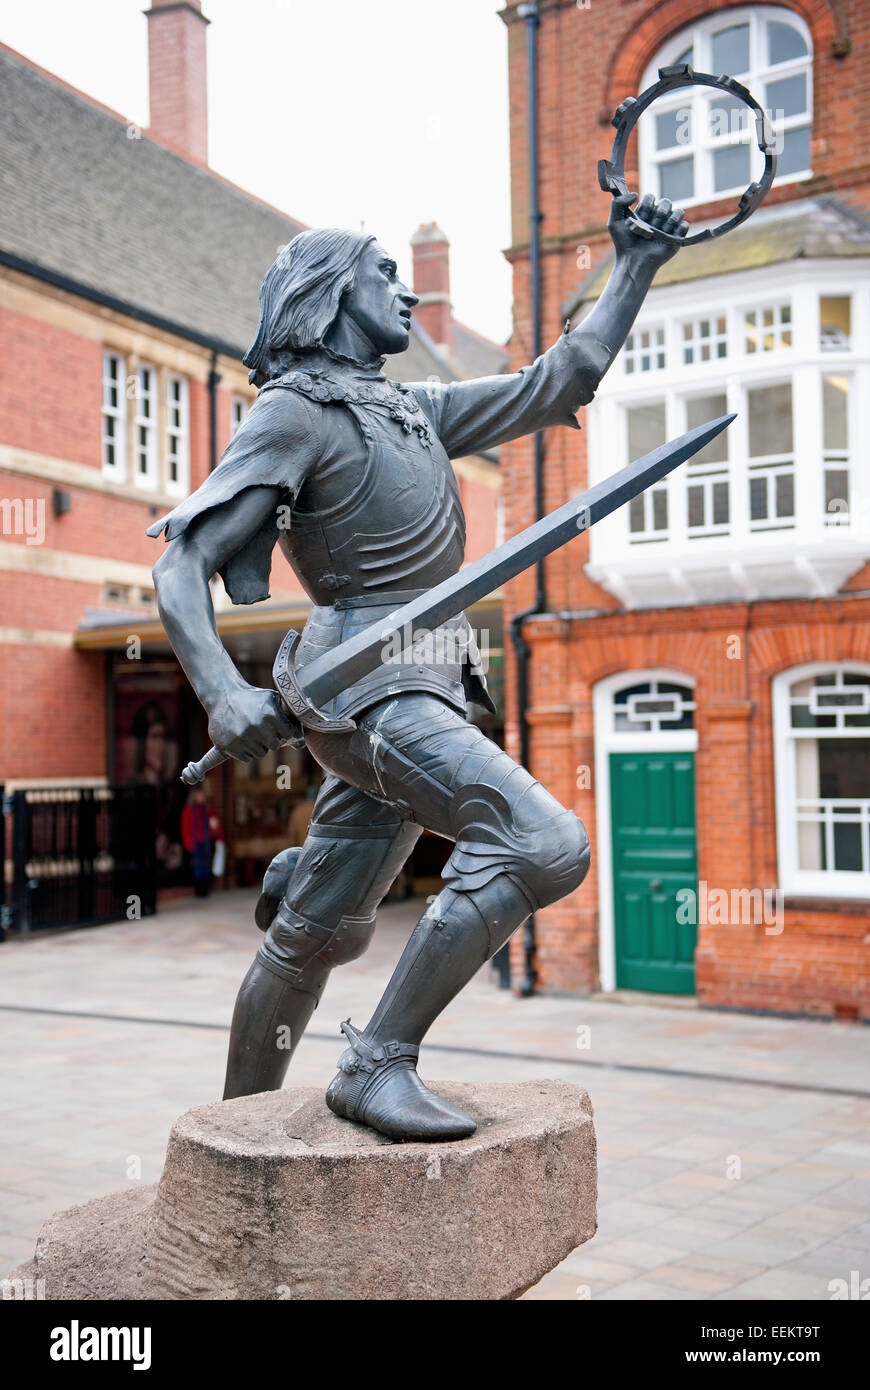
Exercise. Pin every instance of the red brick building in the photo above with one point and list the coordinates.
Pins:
(129, 279)
(699, 686)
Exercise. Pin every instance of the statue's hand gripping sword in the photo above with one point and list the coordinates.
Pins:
(304, 692)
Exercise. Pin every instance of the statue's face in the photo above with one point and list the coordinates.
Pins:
(379, 303)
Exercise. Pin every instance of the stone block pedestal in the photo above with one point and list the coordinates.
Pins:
(272, 1197)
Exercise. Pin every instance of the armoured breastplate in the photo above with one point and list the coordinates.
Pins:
(381, 512)
(381, 515)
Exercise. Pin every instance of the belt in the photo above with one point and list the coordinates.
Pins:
(391, 600)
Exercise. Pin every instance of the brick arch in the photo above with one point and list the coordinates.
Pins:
(639, 42)
(780, 650)
(618, 656)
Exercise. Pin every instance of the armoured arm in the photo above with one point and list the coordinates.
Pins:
(603, 333)
(229, 526)
(243, 720)
(470, 416)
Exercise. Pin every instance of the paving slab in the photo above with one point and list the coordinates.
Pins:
(108, 1034)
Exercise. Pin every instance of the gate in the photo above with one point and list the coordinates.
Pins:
(76, 856)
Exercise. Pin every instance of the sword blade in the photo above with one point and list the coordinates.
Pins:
(338, 669)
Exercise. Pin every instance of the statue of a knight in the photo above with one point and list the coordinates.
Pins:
(362, 469)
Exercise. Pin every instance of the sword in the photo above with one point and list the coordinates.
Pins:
(306, 690)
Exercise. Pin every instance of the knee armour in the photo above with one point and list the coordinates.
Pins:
(303, 952)
(548, 856)
(559, 858)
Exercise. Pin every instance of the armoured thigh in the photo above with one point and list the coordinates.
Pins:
(422, 758)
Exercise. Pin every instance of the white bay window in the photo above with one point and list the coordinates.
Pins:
(776, 506)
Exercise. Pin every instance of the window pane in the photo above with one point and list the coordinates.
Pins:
(700, 409)
(835, 321)
(787, 97)
(721, 506)
(636, 514)
(660, 510)
(621, 696)
(835, 407)
(695, 515)
(795, 154)
(784, 42)
(837, 492)
(646, 428)
(677, 179)
(730, 50)
(673, 128)
(730, 167)
(728, 116)
(758, 499)
(770, 427)
(785, 494)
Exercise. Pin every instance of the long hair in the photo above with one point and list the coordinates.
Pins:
(300, 297)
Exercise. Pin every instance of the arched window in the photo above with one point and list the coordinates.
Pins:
(653, 706)
(698, 144)
(822, 732)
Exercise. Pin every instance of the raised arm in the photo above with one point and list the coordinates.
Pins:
(604, 332)
(470, 416)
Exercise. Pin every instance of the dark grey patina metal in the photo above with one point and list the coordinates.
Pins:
(326, 676)
(611, 172)
(361, 467)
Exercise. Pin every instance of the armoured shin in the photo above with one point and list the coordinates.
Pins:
(280, 993)
(377, 1082)
(454, 937)
(269, 1019)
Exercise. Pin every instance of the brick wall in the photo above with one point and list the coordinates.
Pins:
(590, 59)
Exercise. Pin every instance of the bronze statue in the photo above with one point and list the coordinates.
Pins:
(350, 474)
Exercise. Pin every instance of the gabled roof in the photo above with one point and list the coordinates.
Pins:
(127, 217)
(820, 230)
(133, 219)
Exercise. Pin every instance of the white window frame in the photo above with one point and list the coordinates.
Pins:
(697, 342)
(634, 354)
(239, 407)
(180, 486)
(622, 565)
(770, 467)
(649, 535)
(150, 423)
(781, 325)
(822, 883)
(842, 459)
(696, 100)
(608, 740)
(116, 471)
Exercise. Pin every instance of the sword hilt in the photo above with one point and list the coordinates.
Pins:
(197, 772)
(294, 700)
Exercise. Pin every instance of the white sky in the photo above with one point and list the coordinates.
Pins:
(391, 112)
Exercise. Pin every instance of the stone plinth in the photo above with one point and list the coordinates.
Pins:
(272, 1197)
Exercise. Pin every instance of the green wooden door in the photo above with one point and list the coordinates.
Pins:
(652, 799)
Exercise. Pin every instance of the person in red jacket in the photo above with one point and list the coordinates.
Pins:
(200, 831)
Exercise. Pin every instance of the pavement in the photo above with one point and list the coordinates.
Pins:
(734, 1150)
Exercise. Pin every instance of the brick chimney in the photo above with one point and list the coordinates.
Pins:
(430, 251)
(177, 75)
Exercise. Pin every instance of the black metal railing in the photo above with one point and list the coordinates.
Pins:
(75, 856)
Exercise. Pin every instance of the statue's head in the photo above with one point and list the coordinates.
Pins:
(330, 287)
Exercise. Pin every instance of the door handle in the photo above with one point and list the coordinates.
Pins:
(655, 885)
